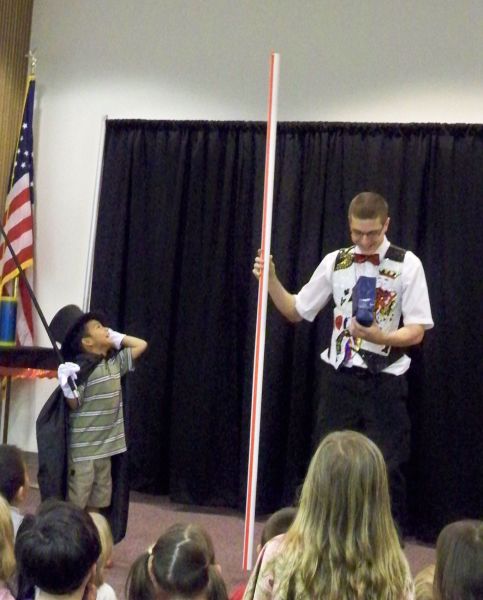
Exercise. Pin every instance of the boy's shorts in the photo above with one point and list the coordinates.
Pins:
(89, 483)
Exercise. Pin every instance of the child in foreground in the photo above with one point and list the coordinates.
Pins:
(180, 565)
(57, 552)
(343, 542)
(459, 562)
(104, 590)
(276, 524)
(7, 557)
(14, 481)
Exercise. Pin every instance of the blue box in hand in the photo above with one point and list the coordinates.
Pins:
(364, 300)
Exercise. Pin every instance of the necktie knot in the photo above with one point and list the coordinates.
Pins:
(372, 258)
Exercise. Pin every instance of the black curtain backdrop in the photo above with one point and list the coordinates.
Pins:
(179, 225)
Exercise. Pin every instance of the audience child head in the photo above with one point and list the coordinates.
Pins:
(459, 562)
(58, 549)
(180, 564)
(107, 543)
(7, 557)
(197, 534)
(14, 479)
(343, 542)
(278, 523)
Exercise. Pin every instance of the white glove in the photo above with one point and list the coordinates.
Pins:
(65, 371)
(116, 338)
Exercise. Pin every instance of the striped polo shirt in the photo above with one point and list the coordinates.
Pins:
(96, 428)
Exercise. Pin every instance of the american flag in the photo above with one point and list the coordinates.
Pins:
(18, 222)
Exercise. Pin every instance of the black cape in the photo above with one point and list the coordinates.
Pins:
(52, 428)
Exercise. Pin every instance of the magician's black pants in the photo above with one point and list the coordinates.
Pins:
(375, 405)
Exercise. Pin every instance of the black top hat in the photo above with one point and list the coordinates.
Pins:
(66, 325)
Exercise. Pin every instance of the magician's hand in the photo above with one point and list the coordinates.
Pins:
(370, 334)
(258, 267)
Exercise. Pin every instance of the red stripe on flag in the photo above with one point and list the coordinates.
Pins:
(20, 199)
(23, 226)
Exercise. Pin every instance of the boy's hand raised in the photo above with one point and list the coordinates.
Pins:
(116, 338)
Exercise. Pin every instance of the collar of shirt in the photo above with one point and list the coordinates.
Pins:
(381, 250)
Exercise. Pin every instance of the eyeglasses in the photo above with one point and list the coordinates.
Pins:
(356, 234)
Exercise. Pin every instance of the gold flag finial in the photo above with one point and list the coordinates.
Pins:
(32, 61)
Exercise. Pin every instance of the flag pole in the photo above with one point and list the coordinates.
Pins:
(259, 354)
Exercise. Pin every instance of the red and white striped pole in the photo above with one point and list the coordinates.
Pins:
(261, 312)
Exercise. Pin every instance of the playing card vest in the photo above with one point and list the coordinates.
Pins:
(388, 309)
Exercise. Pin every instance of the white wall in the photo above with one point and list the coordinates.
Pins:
(341, 60)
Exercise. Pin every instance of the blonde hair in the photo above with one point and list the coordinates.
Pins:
(7, 556)
(107, 543)
(423, 584)
(343, 543)
(459, 561)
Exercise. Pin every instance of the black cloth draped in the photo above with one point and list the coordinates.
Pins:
(179, 225)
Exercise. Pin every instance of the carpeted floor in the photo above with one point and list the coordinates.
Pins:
(150, 515)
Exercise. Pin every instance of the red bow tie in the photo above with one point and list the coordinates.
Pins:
(372, 258)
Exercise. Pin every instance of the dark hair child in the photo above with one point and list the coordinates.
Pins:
(179, 564)
(58, 548)
(14, 481)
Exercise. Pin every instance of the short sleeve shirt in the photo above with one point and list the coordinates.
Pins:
(416, 309)
(96, 428)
